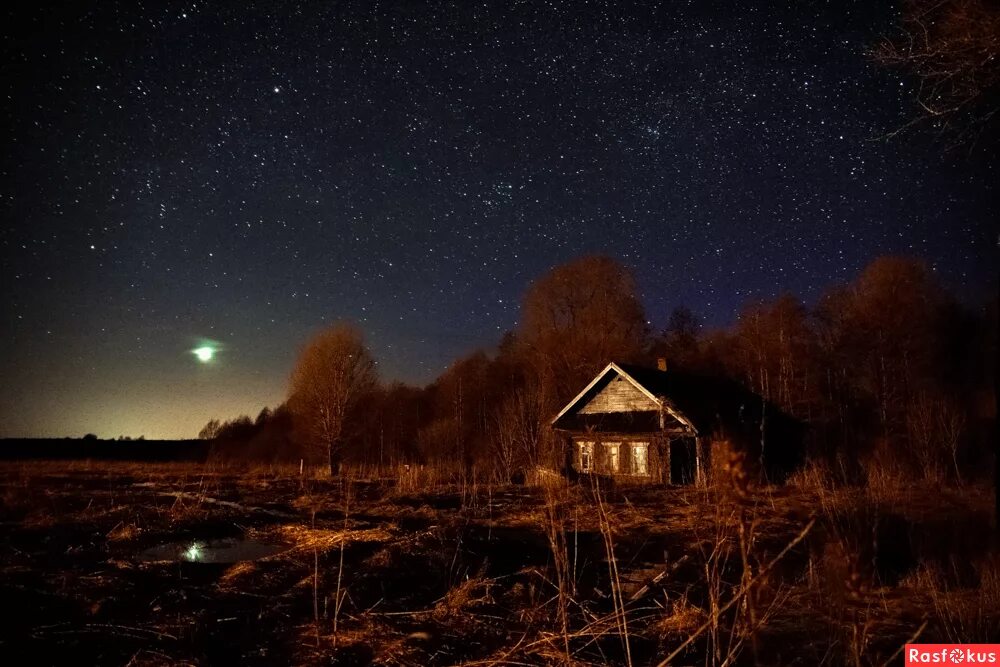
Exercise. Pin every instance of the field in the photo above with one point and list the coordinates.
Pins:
(399, 571)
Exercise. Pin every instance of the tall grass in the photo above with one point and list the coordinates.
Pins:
(556, 498)
(961, 614)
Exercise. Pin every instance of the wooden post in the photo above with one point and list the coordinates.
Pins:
(665, 449)
(699, 462)
(666, 458)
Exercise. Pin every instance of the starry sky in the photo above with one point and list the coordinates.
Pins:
(245, 172)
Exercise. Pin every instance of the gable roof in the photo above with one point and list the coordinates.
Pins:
(593, 383)
(700, 403)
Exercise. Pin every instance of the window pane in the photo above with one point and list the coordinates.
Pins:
(640, 453)
(586, 456)
(613, 461)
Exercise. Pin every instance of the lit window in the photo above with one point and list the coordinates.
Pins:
(586, 456)
(612, 448)
(640, 458)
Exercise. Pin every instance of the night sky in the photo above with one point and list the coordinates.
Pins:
(174, 174)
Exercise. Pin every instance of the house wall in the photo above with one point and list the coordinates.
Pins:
(676, 458)
(602, 449)
(669, 459)
(619, 395)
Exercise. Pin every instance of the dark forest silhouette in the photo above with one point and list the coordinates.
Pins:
(888, 371)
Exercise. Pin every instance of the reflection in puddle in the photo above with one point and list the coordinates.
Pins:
(210, 551)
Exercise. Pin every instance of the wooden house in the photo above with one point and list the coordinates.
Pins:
(668, 426)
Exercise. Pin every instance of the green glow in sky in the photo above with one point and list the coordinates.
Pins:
(204, 353)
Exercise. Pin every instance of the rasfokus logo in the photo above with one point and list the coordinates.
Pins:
(952, 654)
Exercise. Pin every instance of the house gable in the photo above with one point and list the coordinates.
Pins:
(614, 401)
(618, 395)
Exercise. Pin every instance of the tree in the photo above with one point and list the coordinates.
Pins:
(679, 342)
(263, 417)
(892, 381)
(953, 48)
(211, 430)
(239, 429)
(333, 371)
(461, 398)
(388, 425)
(884, 332)
(517, 425)
(577, 318)
(777, 346)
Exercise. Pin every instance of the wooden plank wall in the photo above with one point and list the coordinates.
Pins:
(619, 395)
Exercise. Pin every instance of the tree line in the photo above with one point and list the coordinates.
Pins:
(888, 369)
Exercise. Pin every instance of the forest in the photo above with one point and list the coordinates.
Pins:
(890, 372)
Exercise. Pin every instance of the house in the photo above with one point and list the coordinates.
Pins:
(668, 425)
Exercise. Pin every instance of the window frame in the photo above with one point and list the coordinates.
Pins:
(585, 447)
(636, 448)
(614, 462)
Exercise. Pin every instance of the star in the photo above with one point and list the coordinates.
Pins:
(435, 179)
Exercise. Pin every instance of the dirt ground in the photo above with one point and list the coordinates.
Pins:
(362, 572)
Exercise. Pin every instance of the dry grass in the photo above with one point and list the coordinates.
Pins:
(123, 532)
(468, 593)
(470, 572)
(680, 619)
(962, 614)
(540, 478)
(415, 478)
(305, 538)
(237, 572)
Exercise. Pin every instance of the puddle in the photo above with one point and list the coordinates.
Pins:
(229, 550)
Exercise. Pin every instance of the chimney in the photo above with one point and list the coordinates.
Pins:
(661, 363)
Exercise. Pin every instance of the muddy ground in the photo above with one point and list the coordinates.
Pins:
(473, 573)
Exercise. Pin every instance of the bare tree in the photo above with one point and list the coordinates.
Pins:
(953, 48)
(679, 342)
(211, 430)
(937, 426)
(577, 318)
(773, 344)
(333, 371)
(517, 424)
